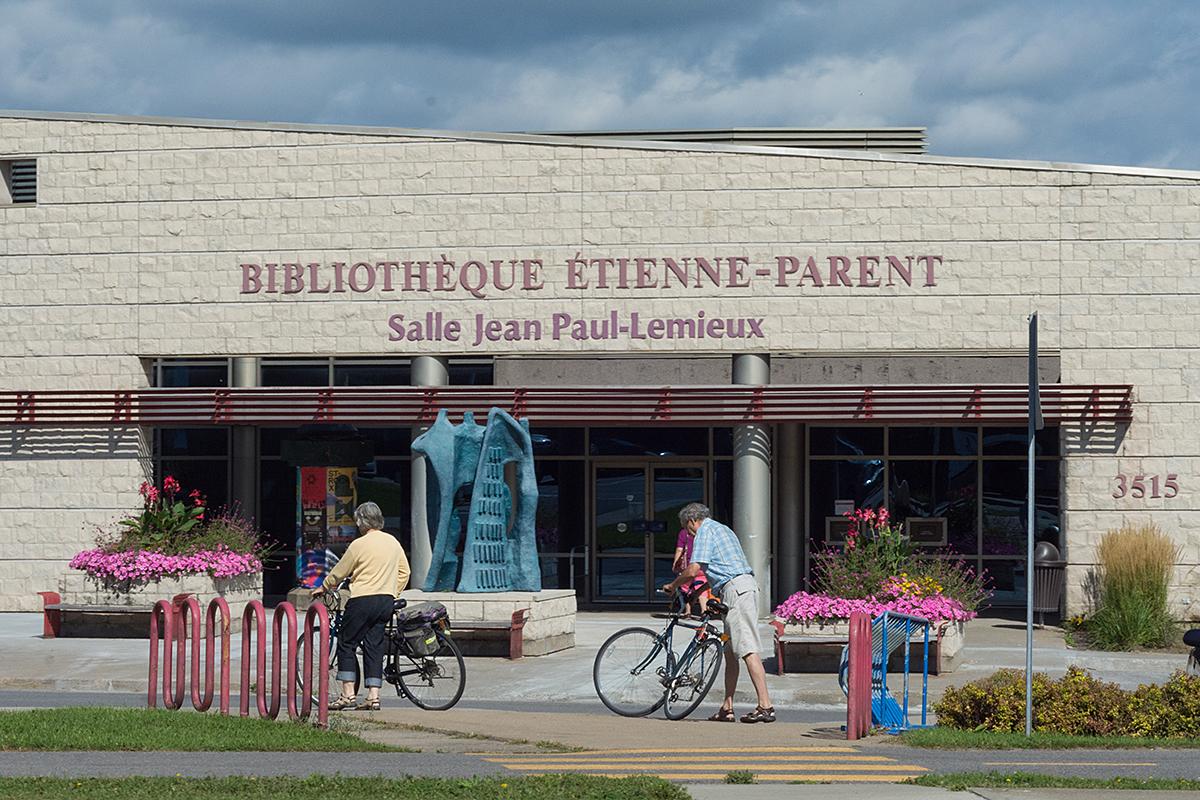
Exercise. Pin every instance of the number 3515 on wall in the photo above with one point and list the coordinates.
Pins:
(1140, 486)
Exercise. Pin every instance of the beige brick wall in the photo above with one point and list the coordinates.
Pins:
(134, 246)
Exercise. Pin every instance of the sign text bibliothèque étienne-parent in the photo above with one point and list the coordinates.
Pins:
(483, 279)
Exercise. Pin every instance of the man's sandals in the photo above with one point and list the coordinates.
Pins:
(759, 714)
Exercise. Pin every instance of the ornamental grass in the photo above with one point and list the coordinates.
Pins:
(1134, 576)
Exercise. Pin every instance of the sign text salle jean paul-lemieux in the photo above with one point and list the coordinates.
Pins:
(482, 279)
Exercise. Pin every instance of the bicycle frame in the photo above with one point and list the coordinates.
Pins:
(703, 629)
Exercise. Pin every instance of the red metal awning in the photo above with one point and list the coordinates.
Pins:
(567, 406)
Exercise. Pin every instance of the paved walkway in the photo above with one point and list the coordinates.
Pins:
(120, 664)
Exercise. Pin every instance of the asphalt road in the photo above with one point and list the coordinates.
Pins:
(1139, 763)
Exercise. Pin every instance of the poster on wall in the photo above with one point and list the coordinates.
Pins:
(325, 501)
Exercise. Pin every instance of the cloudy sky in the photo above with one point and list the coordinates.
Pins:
(1094, 81)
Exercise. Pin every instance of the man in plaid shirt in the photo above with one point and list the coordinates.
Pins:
(719, 554)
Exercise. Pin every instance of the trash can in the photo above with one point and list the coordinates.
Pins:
(1048, 575)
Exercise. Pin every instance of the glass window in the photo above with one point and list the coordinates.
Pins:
(1004, 515)
(943, 489)
(193, 441)
(722, 441)
(846, 441)
(557, 441)
(560, 522)
(649, 441)
(1013, 442)
(352, 374)
(270, 440)
(933, 441)
(1007, 582)
(471, 373)
(209, 475)
(722, 492)
(388, 483)
(856, 482)
(182, 376)
(308, 373)
(388, 441)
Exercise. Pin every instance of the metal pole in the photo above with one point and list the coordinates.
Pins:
(1034, 414)
(426, 371)
(752, 481)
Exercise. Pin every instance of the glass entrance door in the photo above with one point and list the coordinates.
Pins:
(635, 524)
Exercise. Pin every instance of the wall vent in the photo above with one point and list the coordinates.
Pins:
(18, 181)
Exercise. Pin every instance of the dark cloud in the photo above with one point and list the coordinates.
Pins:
(1106, 82)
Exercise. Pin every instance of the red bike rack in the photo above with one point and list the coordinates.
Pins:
(169, 625)
(858, 678)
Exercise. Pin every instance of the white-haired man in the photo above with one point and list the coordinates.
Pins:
(718, 553)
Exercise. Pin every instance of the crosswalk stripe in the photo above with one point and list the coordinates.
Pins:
(752, 766)
(809, 777)
(594, 757)
(695, 750)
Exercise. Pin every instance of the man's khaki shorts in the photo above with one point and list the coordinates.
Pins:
(741, 623)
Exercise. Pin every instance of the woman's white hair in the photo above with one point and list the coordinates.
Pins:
(368, 517)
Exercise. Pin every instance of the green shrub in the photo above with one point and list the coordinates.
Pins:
(739, 776)
(1076, 704)
(1079, 705)
(1135, 565)
(994, 703)
(1169, 711)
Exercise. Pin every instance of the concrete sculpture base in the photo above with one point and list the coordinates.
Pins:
(550, 626)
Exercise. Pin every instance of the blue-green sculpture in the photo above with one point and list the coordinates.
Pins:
(500, 552)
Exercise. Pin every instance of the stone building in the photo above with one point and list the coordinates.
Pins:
(774, 325)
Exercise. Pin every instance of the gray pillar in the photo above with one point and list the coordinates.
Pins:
(752, 480)
(244, 466)
(789, 480)
(426, 371)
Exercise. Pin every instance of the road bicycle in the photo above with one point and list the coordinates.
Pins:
(420, 658)
(637, 671)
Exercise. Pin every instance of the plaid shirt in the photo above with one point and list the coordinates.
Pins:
(719, 552)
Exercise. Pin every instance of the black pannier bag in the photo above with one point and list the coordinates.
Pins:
(415, 623)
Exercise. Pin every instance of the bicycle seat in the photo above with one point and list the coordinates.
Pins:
(399, 603)
(1192, 638)
(717, 607)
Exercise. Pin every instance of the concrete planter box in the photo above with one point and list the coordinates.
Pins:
(816, 646)
(92, 608)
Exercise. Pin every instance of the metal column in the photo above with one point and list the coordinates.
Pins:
(752, 480)
(426, 371)
(244, 466)
(789, 482)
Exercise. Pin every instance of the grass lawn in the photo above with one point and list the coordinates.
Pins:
(1025, 780)
(158, 729)
(549, 787)
(952, 739)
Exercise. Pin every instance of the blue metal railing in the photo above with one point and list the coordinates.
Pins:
(890, 631)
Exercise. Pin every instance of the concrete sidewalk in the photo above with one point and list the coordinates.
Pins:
(33, 663)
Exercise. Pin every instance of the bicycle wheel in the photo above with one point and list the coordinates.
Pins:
(628, 672)
(434, 682)
(694, 676)
(302, 652)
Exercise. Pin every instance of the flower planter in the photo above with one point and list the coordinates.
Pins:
(816, 646)
(101, 609)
